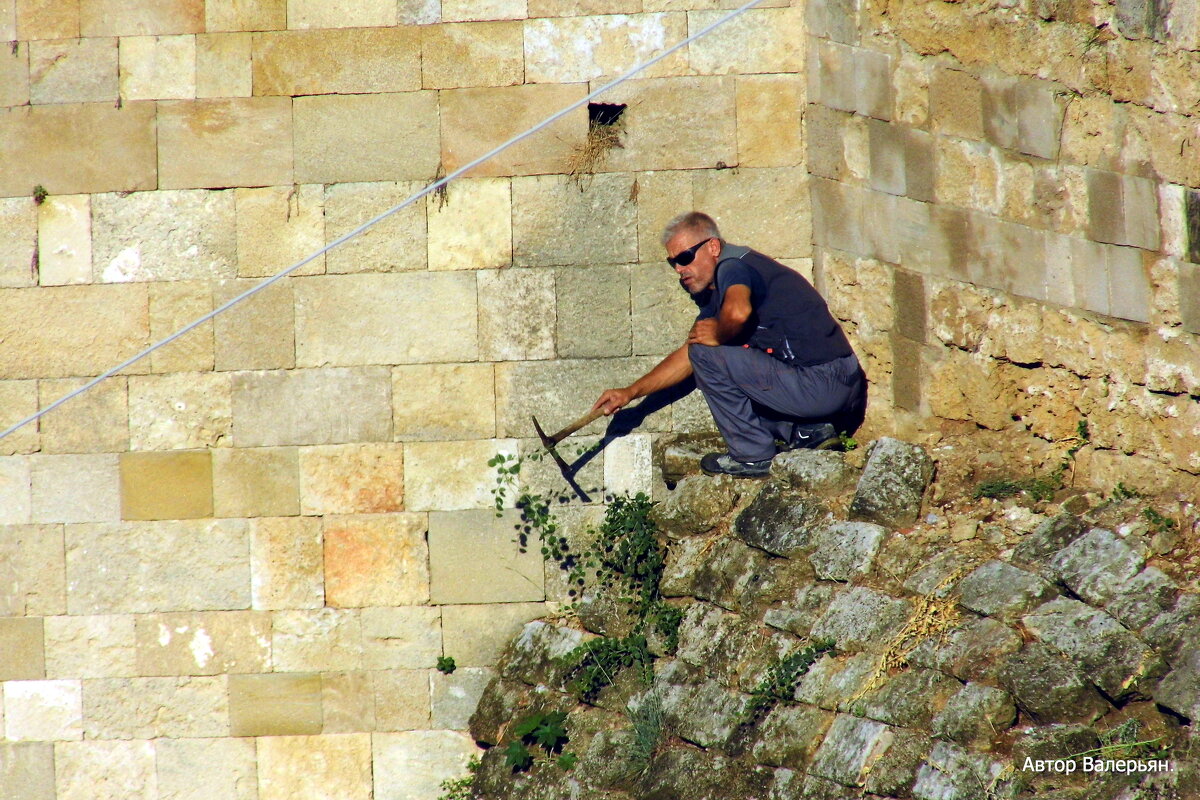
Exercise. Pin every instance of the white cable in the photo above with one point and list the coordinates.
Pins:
(348, 236)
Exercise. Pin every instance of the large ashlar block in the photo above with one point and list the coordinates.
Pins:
(75, 488)
(350, 61)
(158, 67)
(290, 767)
(173, 306)
(956, 103)
(472, 54)
(255, 482)
(183, 410)
(760, 40)
(321, 640)
(110, 149)
(18, 242)
(158, 566)
(22, 649)
(470, 10)
(471, 227)
(454, 697)
(376, 560)
(34, 569)
(275, 705)
(662, 311)
(173, 235)
(783, 194)
(661, 196)
(96, 421)
(402, 699)
(474, 558)
(258, 332)
(451, 475)
(516, 314)
(166, 485)
(366, 137)
(223, 65)
(245, 15)
(415, 763)
(43, 711)
(555, 223)
(209, 643)
(347, 702)
(326, 406)
(478, 634)
(340, 13)
(401, 638)
(593, 312)
(18, 401)
(769, 131)
(215, 143)
(278, 226)
(91, 647)
(628, 466)
(653, 139)
(584, 48)
(352, 479)
(1123, 209)
(421, 412)
(42, 19)
(344, 320)
(394, 244)
(286, 563)
(105, 770)
(27, 770)
(116, 18)
(152, 708)
(65, 240)
(206, 769)
(14, 75)
(476, 120)
(73, 71)
(570, 8)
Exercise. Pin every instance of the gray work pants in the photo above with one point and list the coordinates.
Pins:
(756, 398)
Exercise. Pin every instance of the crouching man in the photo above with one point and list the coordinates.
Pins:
(770, 359)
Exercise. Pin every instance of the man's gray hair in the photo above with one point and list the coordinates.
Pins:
(695, 221)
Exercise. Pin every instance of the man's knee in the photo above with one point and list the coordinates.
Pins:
(703, 356)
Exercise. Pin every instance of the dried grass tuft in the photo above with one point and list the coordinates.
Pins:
(588, 157)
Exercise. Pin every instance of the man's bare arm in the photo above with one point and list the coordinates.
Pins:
(729, 322)
(673, 369)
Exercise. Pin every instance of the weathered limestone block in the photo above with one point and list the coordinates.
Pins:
(205, 769)
(516, 314)
(166, 485)
(158, 67)
(40, 19)
(976, 716)
(43, 710)
(700, 775)
(768, 114)
(245, 15)
(277, 227)
(629, 466)
(22, 649)
(223, 65)
(306, 766)
(476, 635)
(158, 566)
(255, 482)
(152, 236)
(1000, 590)
(32, 566)
(535, 657)
(471, 227)
(762, 40)
(651, 139)
(660, 196)
(65, 240)
(113, 18)
(1088, 346)
(18, 401)
(396, 244)
(274, 705)
(286, 563)
(376, 560)
(892, 484)
(729, 648)
(697, 710)
(781, 521)
(180, 410)
(259, 332)
(862, 619)
(850, 749)
(105, 770)
(173, 305)
(454, 697)
(594, 316)
(214, 143)
(401, 638)
(74, 488)
(967, 174)
(420, 410)
(696, 505)
(342, 138)
(585, 48)
(113, 149)
(317, 14)
(150, 708)
(415, 763)
(475, 120)
(1142, 598)
(909, 699)
(901, 161)
(352, 479)
(348, 701)
(27, 770)
(451, 475)
(349, 61)
(1096, 565)
(845, 549)
(454, 56)
(957, 773)
(18, 242)
(347, 320)
(73, 71)
(1123, 209)
(956, 103)
(327, 406)
(790, 735)
(784, 193)
(90, 647)
(115, 320)
(469, 10)
(473, 559)
(323, 639)
(729, 573)
(203, 643)
(661, 312)
(556, 223)
(802, 610)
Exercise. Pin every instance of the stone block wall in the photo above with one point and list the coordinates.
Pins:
(228, 572)
(1003, 204)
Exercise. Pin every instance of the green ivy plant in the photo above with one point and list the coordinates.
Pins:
(779, 684)
(544, 730)
(445, 664)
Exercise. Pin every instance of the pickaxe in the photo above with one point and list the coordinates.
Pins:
(550, 441)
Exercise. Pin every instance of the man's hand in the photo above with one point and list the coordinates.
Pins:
(613, 399)
(704, 332)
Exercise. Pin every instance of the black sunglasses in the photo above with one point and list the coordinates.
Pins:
(686, 257)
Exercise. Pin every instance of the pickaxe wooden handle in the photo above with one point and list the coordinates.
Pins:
(549, 441)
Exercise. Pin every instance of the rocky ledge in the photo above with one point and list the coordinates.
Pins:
(841, 640)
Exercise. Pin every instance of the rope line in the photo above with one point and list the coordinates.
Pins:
(433, 187)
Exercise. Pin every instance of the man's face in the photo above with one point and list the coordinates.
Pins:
(696, 276)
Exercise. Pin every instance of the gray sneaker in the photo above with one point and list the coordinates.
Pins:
(819, 436)
(725, 464)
